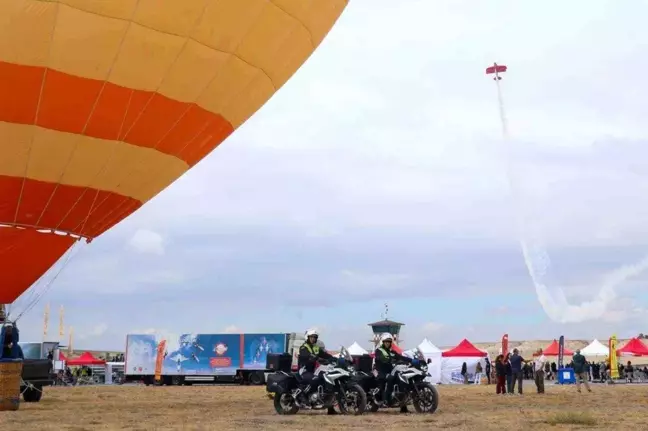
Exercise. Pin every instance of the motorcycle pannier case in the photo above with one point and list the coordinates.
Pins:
(276, 382)
(279, 362)
(364, 363)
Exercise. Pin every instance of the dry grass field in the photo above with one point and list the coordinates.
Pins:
(242, 407)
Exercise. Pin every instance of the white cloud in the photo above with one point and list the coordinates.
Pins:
(374, 282)
(147, 242)
(433, 327)
(377, 171)
(94, 332)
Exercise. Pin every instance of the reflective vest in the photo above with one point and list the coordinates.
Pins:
(388, 354)
(314, 350)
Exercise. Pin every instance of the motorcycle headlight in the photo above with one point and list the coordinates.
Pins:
(424, 368)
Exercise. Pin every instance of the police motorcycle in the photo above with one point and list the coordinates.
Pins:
(334, 388)
(410, 387)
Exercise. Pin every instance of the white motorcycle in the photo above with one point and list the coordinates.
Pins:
(333, 387)
(410, 387)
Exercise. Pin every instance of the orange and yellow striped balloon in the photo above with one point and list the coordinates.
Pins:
(104, 103)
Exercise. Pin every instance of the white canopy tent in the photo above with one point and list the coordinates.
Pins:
(433, 353)
(595, 348)
(356, 349)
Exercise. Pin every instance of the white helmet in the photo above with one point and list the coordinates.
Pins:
(386, 336)
(312, 332)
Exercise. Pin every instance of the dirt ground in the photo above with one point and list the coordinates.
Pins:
(244, 407)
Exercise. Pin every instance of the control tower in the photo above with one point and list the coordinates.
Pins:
(386, 325)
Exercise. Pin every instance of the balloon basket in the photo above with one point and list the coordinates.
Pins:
(10, 377)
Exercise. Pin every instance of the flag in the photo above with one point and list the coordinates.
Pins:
(61, 328)
(70, 335)
(505, 347)
(561, 351)
(614, 362)
(46, 321)
(158, 360)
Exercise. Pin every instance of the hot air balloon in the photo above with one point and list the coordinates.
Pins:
(103, 104)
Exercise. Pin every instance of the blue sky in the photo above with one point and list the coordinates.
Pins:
(377, 174)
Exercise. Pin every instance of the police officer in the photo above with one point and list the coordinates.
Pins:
(309, 353)
(385, 359)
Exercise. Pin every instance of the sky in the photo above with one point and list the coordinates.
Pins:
(378, 174)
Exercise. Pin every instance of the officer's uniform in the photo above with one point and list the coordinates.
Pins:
(308, 356)
(385, 359)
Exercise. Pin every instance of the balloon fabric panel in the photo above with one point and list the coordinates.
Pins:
(25, 254)
(105, 104)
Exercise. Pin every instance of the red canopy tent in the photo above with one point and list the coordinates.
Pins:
(634, 347)
(553, 349)
(85, 359)
(62, 357)
(465, 349)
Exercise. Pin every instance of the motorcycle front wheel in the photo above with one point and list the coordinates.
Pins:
(427, 400)
(356, 400)
(285, 404)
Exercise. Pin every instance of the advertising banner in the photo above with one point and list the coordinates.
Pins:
(201, 354)
(505, 348)
(561, 351)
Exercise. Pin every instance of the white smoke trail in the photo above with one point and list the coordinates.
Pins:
(552, 298)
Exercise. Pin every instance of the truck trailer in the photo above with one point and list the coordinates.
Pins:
(205, 358)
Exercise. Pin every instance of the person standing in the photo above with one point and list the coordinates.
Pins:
(580, 369)
(488, 370)
(509, 373)
(539, 366)
(500, 375)
(516, 369)
(479, 370)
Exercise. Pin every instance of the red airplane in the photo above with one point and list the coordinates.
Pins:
(496, 69)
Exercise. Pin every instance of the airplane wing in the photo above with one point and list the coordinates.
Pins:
(179, 357)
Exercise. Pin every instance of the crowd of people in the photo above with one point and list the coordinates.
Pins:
(510, 370)
(79, 375)
(115, 358)
(513, 369)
